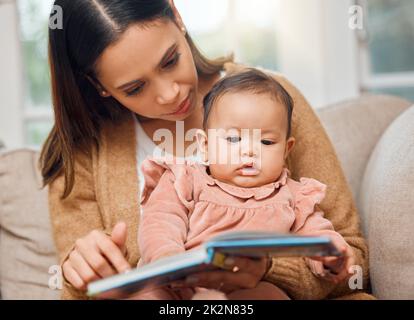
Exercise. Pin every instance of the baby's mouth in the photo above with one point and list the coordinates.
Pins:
(248, 169)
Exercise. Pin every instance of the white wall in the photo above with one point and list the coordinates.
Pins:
(318, 50)
(11, 80)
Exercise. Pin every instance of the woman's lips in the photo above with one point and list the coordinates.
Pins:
(184, 107)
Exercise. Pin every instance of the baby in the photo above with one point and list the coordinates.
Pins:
(241, 184)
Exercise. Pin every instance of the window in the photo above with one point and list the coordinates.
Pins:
(387, 47)
(244, 27)
(37, 111)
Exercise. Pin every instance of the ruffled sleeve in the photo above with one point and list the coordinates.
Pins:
(306, 194)
(154, 168)
(166, 202)
(310, 220)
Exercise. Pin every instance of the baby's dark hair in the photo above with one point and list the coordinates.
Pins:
(251, 80)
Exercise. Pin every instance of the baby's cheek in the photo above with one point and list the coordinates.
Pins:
(271, 167)
(223, 172)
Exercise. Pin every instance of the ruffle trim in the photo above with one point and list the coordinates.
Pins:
(257, 193)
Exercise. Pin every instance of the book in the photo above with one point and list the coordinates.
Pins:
(210, 256)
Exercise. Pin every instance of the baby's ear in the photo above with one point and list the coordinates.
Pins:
(201, 140)
(290, 143)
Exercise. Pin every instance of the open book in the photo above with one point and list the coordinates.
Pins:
(210, 255)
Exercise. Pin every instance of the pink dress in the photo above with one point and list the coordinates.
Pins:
(183, 206)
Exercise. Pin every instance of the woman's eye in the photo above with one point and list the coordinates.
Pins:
(134, 91)
(233, 139)
(173, 61)
(267, 142)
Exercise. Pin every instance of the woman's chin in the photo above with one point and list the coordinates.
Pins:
(179, 117)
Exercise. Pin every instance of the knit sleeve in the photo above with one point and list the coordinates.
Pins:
(75, 216)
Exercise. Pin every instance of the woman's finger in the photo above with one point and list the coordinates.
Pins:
(83, 269)
(349, 261)
(73, 277)
(119, 236)
(94, 258)
(113, 253)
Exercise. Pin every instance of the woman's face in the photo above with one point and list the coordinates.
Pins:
(151, 71)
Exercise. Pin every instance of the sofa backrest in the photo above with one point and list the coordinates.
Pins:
(355, 126)
(27, 252)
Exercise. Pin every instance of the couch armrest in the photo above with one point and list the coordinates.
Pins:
(386, 198)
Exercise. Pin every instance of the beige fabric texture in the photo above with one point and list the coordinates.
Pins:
(355, 126)
(26, 247)
(387, 195)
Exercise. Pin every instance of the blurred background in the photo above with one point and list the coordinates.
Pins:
(310, 41)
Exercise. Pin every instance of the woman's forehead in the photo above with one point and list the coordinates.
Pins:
(138, 52)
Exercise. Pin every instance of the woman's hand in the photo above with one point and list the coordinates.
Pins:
(96, 256)
(244, 273)
(337, 269)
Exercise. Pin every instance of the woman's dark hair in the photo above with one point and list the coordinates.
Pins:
(90, 26)
(250, 80)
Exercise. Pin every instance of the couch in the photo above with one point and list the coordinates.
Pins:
(374, 139)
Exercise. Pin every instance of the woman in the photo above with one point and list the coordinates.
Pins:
(124, 66)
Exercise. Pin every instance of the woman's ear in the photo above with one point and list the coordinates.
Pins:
(178, 19)
(202, 143)
(290, 143)
(101, 90)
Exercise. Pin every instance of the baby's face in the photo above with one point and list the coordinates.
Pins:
(247, 144)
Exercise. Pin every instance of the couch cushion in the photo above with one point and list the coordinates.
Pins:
(26, 246)
(387, 202)
(355, 126)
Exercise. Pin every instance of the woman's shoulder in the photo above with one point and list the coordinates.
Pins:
(115, 129)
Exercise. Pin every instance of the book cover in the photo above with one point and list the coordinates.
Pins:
(210, 256)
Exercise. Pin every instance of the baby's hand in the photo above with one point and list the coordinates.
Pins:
(337, 269)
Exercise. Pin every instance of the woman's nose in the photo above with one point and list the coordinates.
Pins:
(168, 93)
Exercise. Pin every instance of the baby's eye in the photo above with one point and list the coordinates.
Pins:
(233, 139)
(267, 142)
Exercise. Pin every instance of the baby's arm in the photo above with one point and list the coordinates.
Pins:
(164, 222)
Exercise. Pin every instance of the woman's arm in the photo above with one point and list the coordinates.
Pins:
(315, 157)
(74, 219)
